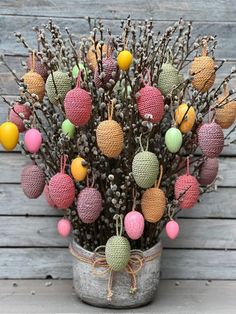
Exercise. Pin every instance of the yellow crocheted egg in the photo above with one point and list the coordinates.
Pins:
(124, 60)
(35, 84)
(186, 124)
(153, 204)
(91, 56)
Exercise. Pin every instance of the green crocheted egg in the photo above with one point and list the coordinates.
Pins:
(63, 85)
(145, 169)
(168, 78)
(117, 252)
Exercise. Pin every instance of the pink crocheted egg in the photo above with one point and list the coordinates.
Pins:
(89, 204)
(111, 72)
(208, 171)
(211, 139)
(151, 102)
(172, 229)
(187, 191)
(64, 227)
(19, 109)
(78, 106)
(62, 190)
(33, 140)
(40, 68)
(47, 196)
(32, 181)
(134, 224)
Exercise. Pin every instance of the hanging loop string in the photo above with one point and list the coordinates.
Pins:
(33, 61)
(78, 79)
(63, 161)
(93, 181)
(204, 48)
(169, 58)
(60, 63)
(134, 192)
(110, 109)
(119, 224)
(160, 177)
(188, 166)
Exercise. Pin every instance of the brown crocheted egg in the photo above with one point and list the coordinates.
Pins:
(203, 72)
(40, 68)
(211, 139)
(111, 72)
(150, 101)
(47, 196)
(110, 138)
(187, 191)
(91, 56)
(89, 204)
(153, 204)
(208, 171)
(35, 84)
(226, 114)
(19, 109)
(32, 181)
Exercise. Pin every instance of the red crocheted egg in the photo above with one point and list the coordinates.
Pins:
(47, 196)
(187, 191)
(32, 181)
(14, 115)
(89, 205)
(208, 171)
(40, 68)
(151, 102)
(62, 190)
(78, 106)
(211, 139)
(111, 72)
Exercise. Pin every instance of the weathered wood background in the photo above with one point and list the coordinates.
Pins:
(30, 246)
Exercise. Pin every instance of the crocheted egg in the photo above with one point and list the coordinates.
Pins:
(35, 84)
(22, 110)
(78, 106)
(187, 191)
(168, 78)
(68, 128)
(134, 224)
(110, 138)
(91, 56)
(111, 72)
(150, 101)
(208, 171)
(211, 139)
(64, 227)
(185, 117)
(9, 135)
(153, 204)
(63, 85)
(172, 229)
(226, 113)
(117, 252)
(145, 169)
(89, 205)
(47, 196)
(32, 181)
(62, 190)
(40, 68)
(78, 170)
(124, 60)
(173, 139)
(32, 140)
(76, 69)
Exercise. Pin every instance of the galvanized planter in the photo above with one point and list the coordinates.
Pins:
(92, 289)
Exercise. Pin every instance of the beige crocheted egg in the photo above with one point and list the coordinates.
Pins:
(35, 84)
(153, 204)
(91, 56)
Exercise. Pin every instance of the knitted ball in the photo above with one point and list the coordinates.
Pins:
(89, 204)
(32, 181)
(35, 84)
(187, 191)
(211, 139)
(134, 224)
(78, 106)
(203, 71)
(145, 169)
(153, 204)
(111, 72)
(208, 171)
(151, 102)
(62, 190)
(63, 85)
(226, 114)
(110, 138)
(14, 115)
(91, 56)
(40, 68)
(117, 252)
(47, 196)
(168, 79)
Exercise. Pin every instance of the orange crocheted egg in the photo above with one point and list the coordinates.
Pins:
(226, 114)
(185, 117)
(153, 204)
(35, 84)
(91, 55)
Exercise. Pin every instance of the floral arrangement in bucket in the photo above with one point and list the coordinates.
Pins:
(111, 124)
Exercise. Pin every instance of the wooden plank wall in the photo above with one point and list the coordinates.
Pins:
(30, 247)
